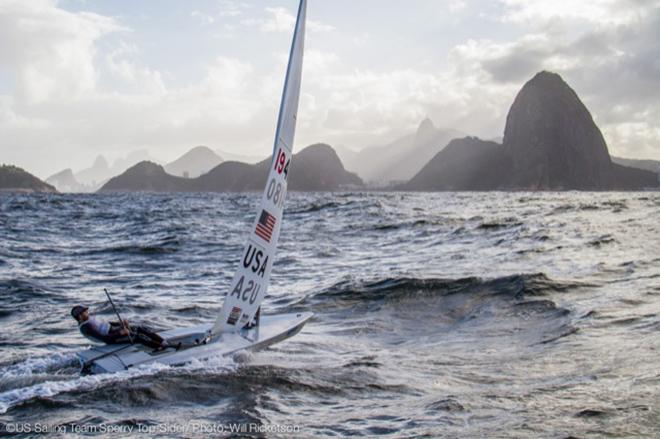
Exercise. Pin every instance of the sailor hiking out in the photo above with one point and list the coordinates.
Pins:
(115, 332)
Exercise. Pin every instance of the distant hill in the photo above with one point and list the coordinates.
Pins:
(15, 179)
(100, 172)
(467, 164)
(550, 143)
(350, 159)
(194, 163)
(315, 168)
(552, 139)
(244, 158)
(65, 181)
(401, 159)
(647, 165)
(318, 168)
(134, 157)
(147, 177)
(428, 141)
(95, 174)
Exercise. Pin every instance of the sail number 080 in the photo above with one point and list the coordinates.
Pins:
(275, 192)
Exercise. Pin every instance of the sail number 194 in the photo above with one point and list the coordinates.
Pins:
(281, 163)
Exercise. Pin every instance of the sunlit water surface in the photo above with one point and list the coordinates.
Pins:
(449, 314)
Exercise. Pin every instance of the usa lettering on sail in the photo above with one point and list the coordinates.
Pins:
(253, 260)
(249, 293)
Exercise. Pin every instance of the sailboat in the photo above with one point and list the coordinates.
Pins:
(239, 326)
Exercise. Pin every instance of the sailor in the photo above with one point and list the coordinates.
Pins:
(115, 332)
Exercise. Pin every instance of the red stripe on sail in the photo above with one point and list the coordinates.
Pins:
(265, 226)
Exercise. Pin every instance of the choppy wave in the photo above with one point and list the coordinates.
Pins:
(165, 246)
(315, 207)
(602, 240)
(48, 389)
(18, 288)
(517, 304)
(41, 379)
(36, 366)
(500, 224)
(456, 314)
(348, 292)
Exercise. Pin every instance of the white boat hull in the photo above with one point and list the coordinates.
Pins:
(115, 358)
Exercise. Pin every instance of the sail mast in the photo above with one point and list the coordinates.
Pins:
(250, 283)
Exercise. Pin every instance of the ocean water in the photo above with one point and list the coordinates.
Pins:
(436, 314)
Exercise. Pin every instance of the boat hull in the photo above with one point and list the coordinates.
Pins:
(115, 358)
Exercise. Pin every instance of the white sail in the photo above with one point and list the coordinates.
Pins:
(250, 281)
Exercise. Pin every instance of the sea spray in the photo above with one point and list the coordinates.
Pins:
(40, 366)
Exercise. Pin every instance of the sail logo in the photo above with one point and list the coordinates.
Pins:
(265, 226)
(254, 260)
(234, 315)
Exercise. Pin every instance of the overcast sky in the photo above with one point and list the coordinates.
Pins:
(84, 77)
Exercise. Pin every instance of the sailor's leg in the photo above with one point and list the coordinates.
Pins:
(122, 340)
(139, 337)
(149, 334)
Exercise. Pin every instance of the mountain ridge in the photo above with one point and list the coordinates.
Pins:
(15, 179)
(195, 162)
(551, 142)
(65, 181)
(315, 168)
(400, 159)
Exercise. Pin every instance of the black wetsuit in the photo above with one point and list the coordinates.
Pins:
(111, 334)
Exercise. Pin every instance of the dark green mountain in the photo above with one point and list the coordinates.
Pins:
(198, 161)
(467, 164)
(315, 168)
(15, 179)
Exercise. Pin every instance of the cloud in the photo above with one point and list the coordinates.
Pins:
(50, 51)
(123, 62)
(230, 8)
(225, 9)
(72, 101)
(613, 65)
(11, 120)
(228, 77)
(512, 62)
(457, 5)
(281, 20)
(203, 18)
(82, 83)
(347, 106)
(611, 12)
(634, 139)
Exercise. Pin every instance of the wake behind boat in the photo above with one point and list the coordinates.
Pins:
(238, 327)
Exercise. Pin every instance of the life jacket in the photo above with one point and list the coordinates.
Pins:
(96, 332)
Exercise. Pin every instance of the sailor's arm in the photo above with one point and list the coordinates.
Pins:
(118, 330)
